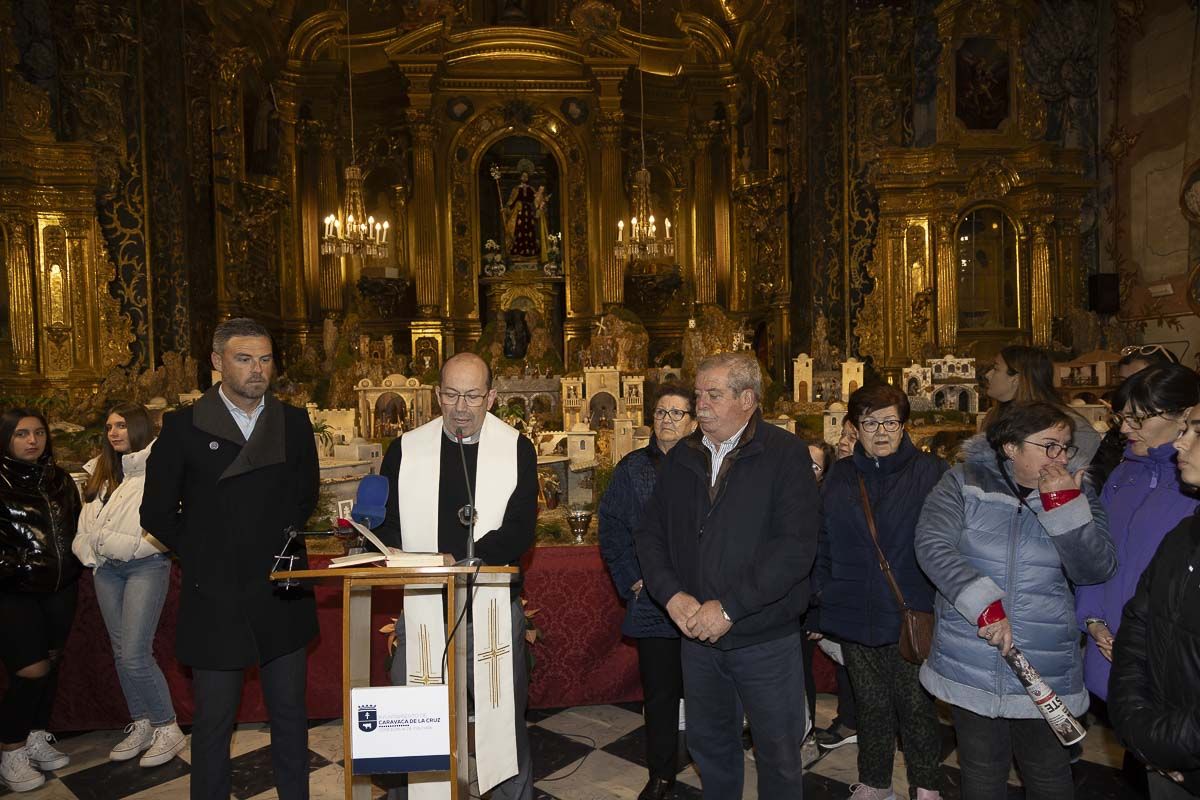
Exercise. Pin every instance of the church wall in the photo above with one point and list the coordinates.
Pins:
(1153, 138)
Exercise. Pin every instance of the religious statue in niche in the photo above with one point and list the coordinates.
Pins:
(263, 126)
(518, 202)
(981, 83)
(516, 334)
(525, 218)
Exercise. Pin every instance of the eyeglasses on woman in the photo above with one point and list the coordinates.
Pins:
(1054, 449)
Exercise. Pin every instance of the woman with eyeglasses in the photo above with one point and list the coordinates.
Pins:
(1133, 360)
(1020, 373)
(1004, 536)
(882, 486)
(1144, 501)
(646, 622)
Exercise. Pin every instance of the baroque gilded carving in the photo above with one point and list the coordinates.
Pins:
(466, 150)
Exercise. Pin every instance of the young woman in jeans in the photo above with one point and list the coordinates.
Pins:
(131, 576)
(39, 507)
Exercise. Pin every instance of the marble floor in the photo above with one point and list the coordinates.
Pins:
(582, 753)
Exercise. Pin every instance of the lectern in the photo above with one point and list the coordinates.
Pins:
(357, 586)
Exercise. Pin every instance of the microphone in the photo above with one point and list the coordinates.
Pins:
(370, 501)
(470, 560)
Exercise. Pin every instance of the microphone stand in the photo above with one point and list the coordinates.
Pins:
(470, 560)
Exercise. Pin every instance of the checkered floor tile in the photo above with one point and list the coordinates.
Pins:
(583, 753)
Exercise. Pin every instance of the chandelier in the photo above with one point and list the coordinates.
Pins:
(355, 233)
(642, 241)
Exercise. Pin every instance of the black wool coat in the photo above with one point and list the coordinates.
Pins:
(222, 504)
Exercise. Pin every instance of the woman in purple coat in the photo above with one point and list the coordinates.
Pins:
(1144, 502)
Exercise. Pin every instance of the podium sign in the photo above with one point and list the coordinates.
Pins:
(400, 729)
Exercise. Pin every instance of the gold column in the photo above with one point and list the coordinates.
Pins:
(425, 244)
(400, 215)
(1040, 282)
(723, 208)
(703, 219)
(947, 286)
(328, 201)
(1069, 290)
(299, 225)
(612, 272)
(20, 299)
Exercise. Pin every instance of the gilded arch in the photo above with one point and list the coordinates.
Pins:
(466, 151)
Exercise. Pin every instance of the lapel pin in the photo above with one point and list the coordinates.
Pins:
(213, 445)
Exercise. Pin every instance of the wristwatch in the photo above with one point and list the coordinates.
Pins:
(725, 613)
(1087, 623)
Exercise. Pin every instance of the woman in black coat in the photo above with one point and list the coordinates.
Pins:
(646, 622)
(39, 508)
(857, 605)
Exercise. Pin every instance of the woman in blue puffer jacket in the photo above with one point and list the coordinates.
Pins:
(1003, 537)
(647, 622)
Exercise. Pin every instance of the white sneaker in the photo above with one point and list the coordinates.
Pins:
(140, 737)
(42, 754)
(16, 771)
(168, 741)
(860, 791)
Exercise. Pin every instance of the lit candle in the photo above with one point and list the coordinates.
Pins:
(653, 227)
(337, 226)
(667, 222)
(385, 230)
(633, 234)
(620, 230)
(378, 233)
(350, 222)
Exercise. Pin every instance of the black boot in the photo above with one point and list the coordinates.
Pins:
(658, 789)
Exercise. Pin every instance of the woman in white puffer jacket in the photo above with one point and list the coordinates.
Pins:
(132, 574)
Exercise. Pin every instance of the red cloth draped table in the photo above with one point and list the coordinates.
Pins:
(581, 657)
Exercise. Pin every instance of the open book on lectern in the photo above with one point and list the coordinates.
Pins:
(391, 556)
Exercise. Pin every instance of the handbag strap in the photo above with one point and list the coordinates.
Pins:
(884, 566)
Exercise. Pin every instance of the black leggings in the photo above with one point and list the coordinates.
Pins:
(33, 628)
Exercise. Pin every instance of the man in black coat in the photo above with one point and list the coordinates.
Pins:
(227, 477)
(726, 544)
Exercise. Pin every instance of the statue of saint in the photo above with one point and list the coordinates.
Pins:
(523, 219)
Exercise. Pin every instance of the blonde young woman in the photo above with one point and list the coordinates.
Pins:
(131, 576)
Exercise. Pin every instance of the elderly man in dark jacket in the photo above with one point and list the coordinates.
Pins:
(1153, 696)
(227, 478)
(726, 545)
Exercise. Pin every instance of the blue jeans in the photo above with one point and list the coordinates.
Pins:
(766, 682)
(131, 596)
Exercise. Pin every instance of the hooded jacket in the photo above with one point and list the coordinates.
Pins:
(1144, 502)
(1153, 695)
(978, 543)
(110, 527)
(39, 509)
(856, 602)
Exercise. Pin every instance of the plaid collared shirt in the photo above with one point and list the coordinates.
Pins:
(719, 451)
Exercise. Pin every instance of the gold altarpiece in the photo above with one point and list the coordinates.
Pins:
(63, 328)
(729, 214)
(990, 156)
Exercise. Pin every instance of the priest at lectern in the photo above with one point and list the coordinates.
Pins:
(431, 507)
